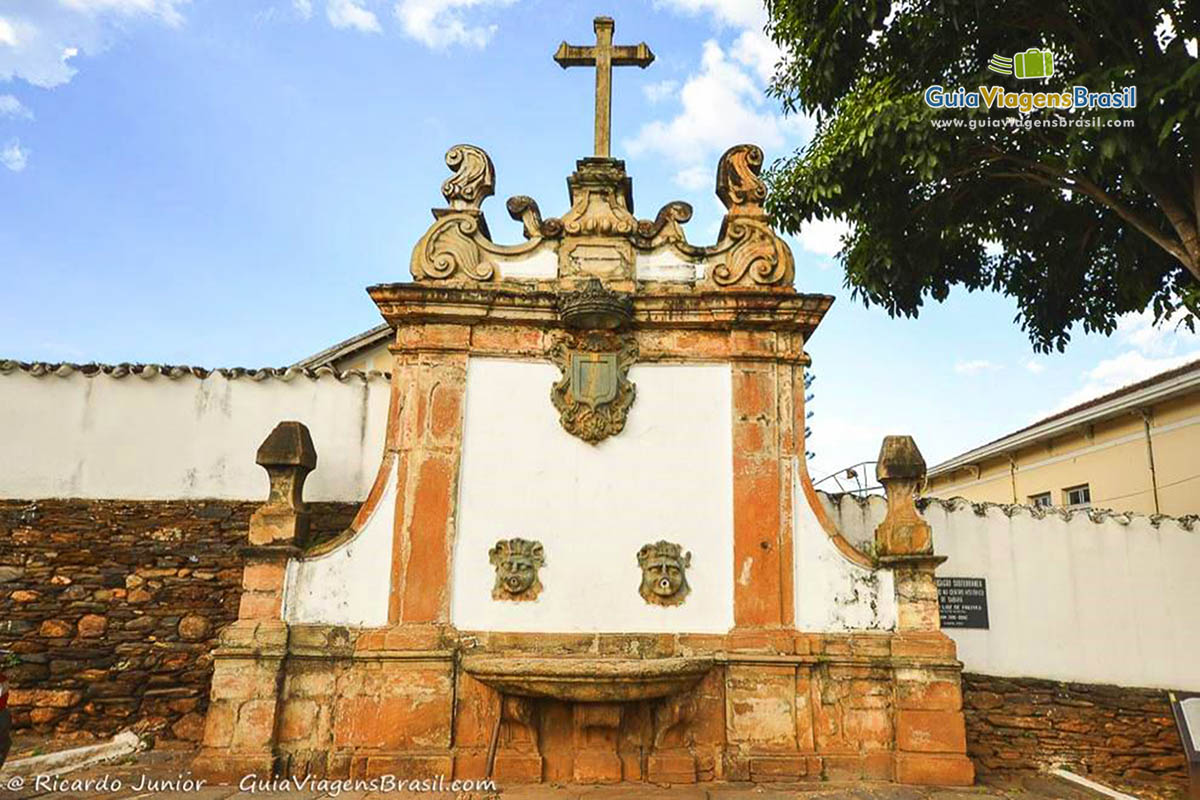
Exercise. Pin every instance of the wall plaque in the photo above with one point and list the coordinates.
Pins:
(963, 602)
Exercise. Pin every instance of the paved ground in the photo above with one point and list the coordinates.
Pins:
(160, 775)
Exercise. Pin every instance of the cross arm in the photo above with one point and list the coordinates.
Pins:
(572, 55)
(632, 55)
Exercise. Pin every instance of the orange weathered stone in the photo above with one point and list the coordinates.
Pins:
(931, 731)
(926, 769)
(264, 576)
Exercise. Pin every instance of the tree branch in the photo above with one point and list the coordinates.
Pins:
(1079, 183)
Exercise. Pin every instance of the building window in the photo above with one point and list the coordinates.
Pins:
(1041, 500)
(1077, 496)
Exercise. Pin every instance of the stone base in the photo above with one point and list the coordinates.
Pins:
(671, 766)
(517, 768)
(786, 706)
(597, 766)
(929, 769)
(217, 766)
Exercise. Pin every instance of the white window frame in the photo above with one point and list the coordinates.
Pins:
(1067, 496)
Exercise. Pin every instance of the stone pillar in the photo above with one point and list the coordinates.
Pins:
(240, 730)
(765, 374)
(430, 371)
(931, 742)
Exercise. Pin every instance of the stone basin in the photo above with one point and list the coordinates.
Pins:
(588, 680)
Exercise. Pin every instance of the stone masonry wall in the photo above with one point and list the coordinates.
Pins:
(111, 608)
(1117, 735)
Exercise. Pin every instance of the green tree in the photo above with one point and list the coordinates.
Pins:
(1078, 224)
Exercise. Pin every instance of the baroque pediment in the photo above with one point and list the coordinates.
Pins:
(599, 236)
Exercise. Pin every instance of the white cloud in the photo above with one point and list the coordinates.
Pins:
(722, 106)
(1035, 366)
(823, 236)
(39, 37)
(1113, 373)
(8, 33)
(737, 13)
(758, 52)
(349, 14)
(975, 366)
(303, 8)
(841, 442)
(657, 92)
(1138, 329)
(695, 178)
(439, 24)
(1150, 350)
(166, 10)
(12, 107)
(13, 156)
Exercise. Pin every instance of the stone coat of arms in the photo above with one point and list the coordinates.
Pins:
(595, 393)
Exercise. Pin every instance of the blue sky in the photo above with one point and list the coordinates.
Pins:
(214, 182)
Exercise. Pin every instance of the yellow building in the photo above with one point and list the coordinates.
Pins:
(1135, 449)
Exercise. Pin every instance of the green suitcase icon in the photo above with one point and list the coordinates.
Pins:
(1033, 63)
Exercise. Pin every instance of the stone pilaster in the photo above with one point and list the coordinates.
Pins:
(240, 730)
(430, 372)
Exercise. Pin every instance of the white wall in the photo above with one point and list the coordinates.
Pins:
(668, 475)
(349, 585)
(832, 592)
(1109, 599)
(164, 438)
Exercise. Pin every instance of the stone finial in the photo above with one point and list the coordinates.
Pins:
(900, 469)
(899, 459)
(474, 178)
(738, 185)
(288, 455)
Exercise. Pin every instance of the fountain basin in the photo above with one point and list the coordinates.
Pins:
(588, 680)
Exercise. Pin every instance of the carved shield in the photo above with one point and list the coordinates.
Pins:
(594, 378)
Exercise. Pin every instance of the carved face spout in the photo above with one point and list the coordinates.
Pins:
(516, 562)
(664, 573)
(665, 576)
(517, 574)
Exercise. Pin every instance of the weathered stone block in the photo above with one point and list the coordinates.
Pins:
(927, 769)
(760, 703)
(513, 767)
(930, 731)
(671, 767)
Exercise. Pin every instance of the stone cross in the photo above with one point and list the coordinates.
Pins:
(604, 56)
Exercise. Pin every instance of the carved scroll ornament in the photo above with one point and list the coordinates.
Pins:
(738, 184)
(595, 394)
(474, 177)
(749, 251)
(458, 245)
(451, 248)
(752, 253)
